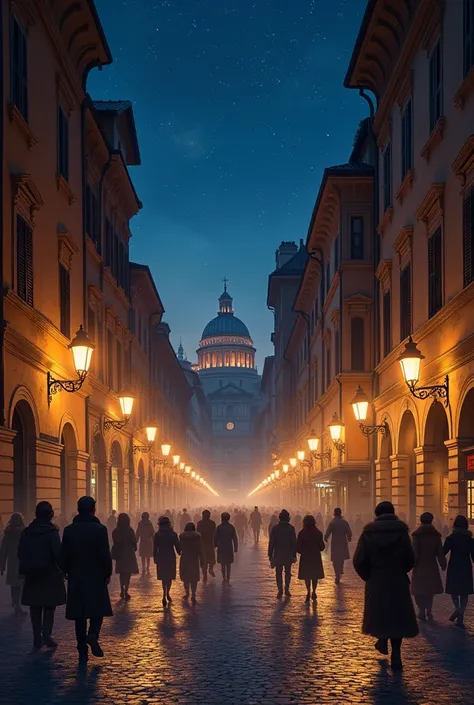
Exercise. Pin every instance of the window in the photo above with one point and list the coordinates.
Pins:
(65, 301)
(405, 302)
(92, 217)
(387, 323)
(119, 366)
(468, 237)
(436, 97)
(468, 48)
(435, 283)
(63, 144)
(387, 177)
(24, 260)
(357, 344)
(19, 69)
(110, 359)
(357, 237)
(407, 139)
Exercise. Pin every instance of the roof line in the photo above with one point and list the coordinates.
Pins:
(369, 11)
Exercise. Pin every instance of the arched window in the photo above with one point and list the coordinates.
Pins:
(357, 344)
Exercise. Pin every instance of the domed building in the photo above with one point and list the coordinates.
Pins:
(230, 381)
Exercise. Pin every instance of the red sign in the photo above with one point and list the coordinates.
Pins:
(470, 463)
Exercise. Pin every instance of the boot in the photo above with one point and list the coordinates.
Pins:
(307, 599)
(382, 646)
(96, 648)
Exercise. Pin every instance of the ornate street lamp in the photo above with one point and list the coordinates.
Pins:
(301, 459)
(126, 400)
(285, 468)
(335, 429)
(410, 362)
(82, 348)
(293, 462)
(360, 406)
(176, 459)
(313, 444)
(150, 436)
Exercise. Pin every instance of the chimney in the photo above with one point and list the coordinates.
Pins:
(285, 252)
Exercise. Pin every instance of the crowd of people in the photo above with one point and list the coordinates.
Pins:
(39, 562)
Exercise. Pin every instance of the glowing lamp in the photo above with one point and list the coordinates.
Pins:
(335, 428)
(188, 469)
(182, 466)
(360, 404)
(277, 474)
(293, 462)
(151, 433)
(313, 444)
(165, 449)
(126, 399)
(82, 348)
(300, 455)
(193, 474)
(410, 361)
(285, 468)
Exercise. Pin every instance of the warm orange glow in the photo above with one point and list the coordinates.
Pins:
(293, 462)
(126, 399)
(82, 348)
(335, 428)
(175, 459)
(188, 469)
(300, 455)
(360, 404)
(151, 433)
(285, 468)
(313, 444)
(165, 449)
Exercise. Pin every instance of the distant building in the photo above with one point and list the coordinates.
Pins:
(230, 381)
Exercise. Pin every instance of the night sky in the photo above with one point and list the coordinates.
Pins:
(239, 106)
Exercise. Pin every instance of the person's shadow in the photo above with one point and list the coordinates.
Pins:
(389, 687)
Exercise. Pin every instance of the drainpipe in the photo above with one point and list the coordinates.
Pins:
(2, 302)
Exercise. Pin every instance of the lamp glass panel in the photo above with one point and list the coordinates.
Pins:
(360, 410)
(411, 369)
(165, 449)
(151, 433)
(126, 405)
(313, 444)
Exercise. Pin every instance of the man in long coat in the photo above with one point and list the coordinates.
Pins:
(429, 558)
(207, 528)
(340, 531)
(383, 559)
(255, 522)
(282, 551)
(87, 563)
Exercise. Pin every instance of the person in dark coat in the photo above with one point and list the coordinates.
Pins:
(44, 590)
(309, 545)
(429, 557)
(184, 519)
(207, 528)
(255, 522)
(340, 532)
(282, 551)
(86, 562)
(124, 550)
(227, 543)
(145, 535)
(166, 546)
(459, 584)
(383, 559)
(9, 560)
(192, 559)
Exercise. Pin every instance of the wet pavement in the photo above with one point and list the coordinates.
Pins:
(238, 645)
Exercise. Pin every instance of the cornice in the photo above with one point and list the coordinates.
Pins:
(464, 160)
(384, 274)
(432, 205)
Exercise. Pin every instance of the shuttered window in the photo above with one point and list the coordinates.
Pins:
(407, 139)
(436, 95)
(435, 280)
(24, 260)
(387, 323)
(19, 69)
(468, 237)
(63, 144)
(65, 301)
(357, 344)
(468, 31)
(405, 302)
(357, 237)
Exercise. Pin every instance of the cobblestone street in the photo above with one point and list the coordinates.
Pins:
(239, 645)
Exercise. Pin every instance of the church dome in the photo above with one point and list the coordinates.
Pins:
(225, 324)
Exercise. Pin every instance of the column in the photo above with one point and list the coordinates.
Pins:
(126, 491)
(457, 482)
(6, 471)
(426, 499)
(383, 480)
(77, 477)
(48, 473)
(400, 482)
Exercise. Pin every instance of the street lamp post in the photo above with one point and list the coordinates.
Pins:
(360, 406)
(335, 429)
(150, 436)
(410, 362)
(82, 348)
(126, 400)
(313, 444)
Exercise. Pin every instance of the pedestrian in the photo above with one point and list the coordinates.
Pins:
(124, 550)
(166, 546)
(112, 521)
(460, 545)
(206, 527)
(227, 543)
(255, 521)
(358, 526)
(87, 565)
(320, 521)
(429, 557)
(145, 535)
(282, 551)
(184, 519)
(383, 559)
(273, 522)
(43, 590)
(192, 560)
(309, 545)
(9, 560)
(340, 532)
(298, 523)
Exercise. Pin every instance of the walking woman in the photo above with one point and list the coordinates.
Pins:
(309, 545)
(429, 557)
(145, 536)
(192, 560)
(124, 549)
(226, 542)
(459, 584)
(166, 546)
(9, 560)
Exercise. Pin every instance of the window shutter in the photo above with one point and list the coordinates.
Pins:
(468, 232)
(24, 254)
(434, 273)
(65, 300)
(29, 265)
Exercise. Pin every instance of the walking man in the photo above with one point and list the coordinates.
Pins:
(255, 522)
(207, 528)
(341, 534)
(282, 551)
(86, 561)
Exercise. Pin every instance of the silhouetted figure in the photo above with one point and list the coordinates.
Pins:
(429, 556)
(340, 532)
(166, 546)
(282, 551)
(383, 558)
(207, 528)
(43, 590)
(319, 521)
(255, 521)
(111, 521)
(309, 544)
(298, 523)
(240, 523)
(9, 560)
(227, 543)
(192, 560)
(145, 535)
(273, 522)
(87, 564)
(358, 526)
(459, 584)
(184, 519)
(124, 553)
